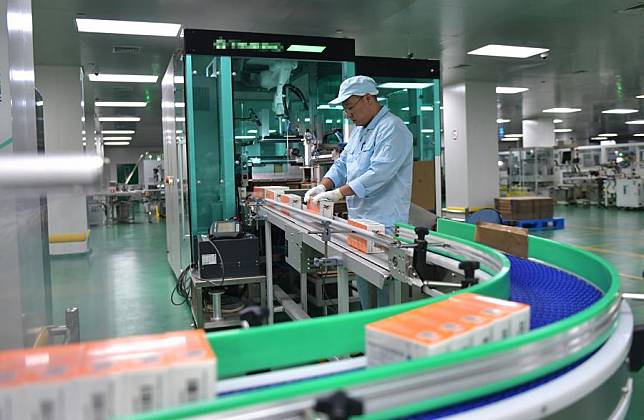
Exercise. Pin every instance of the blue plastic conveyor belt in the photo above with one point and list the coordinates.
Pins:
(552, 295)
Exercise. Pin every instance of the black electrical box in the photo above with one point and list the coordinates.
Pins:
(240, 257)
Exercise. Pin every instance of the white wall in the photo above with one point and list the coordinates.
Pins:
(538, 132)
(119, 155)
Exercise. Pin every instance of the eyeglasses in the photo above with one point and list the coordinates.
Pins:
(348, 110)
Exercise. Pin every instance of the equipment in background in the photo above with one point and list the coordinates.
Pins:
(239, 257)
(630, 193)
(225, 229)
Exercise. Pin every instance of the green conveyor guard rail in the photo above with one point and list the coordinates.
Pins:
(295, 343)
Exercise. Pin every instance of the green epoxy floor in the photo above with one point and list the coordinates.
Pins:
(122, 287)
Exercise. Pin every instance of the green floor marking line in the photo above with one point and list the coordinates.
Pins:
(6, 143)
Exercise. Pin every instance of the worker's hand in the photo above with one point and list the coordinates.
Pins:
(313, 192)
(333, 195)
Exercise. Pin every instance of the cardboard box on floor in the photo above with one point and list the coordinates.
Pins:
(423, 186)
(525, 208)
(512, 240)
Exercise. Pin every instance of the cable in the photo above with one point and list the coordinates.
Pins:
(180, 287)
(223, 276)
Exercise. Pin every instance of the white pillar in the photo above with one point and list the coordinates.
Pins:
(538, 132)
(471, 145)
(60, 87)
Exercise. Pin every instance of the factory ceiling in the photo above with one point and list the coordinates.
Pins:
(595, 62)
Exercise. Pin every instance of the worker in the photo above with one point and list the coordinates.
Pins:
(374, 171)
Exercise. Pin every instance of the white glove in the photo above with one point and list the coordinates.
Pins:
(333, 195)
(313, 192)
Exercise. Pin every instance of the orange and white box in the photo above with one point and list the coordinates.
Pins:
(193, 372)
(11, 380)
(322, 207)
(517, 314)
(403, 337)
(96, 388)
(49, 379)
(292, 200)
(273, 193)
(363, 244)
(479, 328)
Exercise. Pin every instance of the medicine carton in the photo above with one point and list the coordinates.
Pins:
(193, 371)
(322, 207)
(518, 314)
(273, 193)
(403, 337)
(292, 200)
(48, 387)
(11, 379)
(363, 244)
(479, 327)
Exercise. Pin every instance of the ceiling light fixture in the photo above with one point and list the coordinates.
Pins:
(640, 96)
(497, 50)
(306, 48)
(510, 139)
(117, 138)
(599, 138)
(427, 130)
(121, 104)
(607, 142)
(563, 110)
(115, 119)
(635, 122)
(404, 85)
(557, 121)
(178, 80)
(180, 119)
(502, 121)
(607, 135)
(117, 143)
(510, 90)
(619, 111)
(123, 78)
(562, 130)
(117, 132)
(639, 135)
(126, 27)
(179, 104)
(426, 108)
(514, 135)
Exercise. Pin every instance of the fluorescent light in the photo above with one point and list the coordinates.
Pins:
(179, 104)
(557, 121)
(117, 138)
(324, 106)
(510, 90)
(562, 130)
(514, 135)
(639, 135)
(40, 103)
(179, 132)
(272, 131)
(126, 27)
(130, 119)
(117, 132)
(404, 85)
(83, 132)
(496, 50)
(180, 119)
(426, 108)
(253, 131)
(427, 130)
(607, 142)
(502, 121)
(123, 78)
(328, 121)
(619, 111)
(84, 138)
(307, 119)
(178, 80)
(380, 98)
(244, 137)
(599, 138)
(406, 108)
(121, 104)
(635, 122)
(306, 48)
(510, 139)
(561, 110)
(406, 122)
(117, 143)
(607, 135)
(640, 96)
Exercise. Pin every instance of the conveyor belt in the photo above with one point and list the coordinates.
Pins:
(552, 295)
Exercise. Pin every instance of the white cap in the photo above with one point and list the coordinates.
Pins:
(355, 86)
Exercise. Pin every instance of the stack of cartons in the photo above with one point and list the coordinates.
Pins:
(103, 379)
(463, 321)
(525, 208)
(363, 244)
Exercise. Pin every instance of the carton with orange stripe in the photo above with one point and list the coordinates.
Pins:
(364, 244)
(11, 382)
(322, 207)
(292, 200)
(517, 315)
